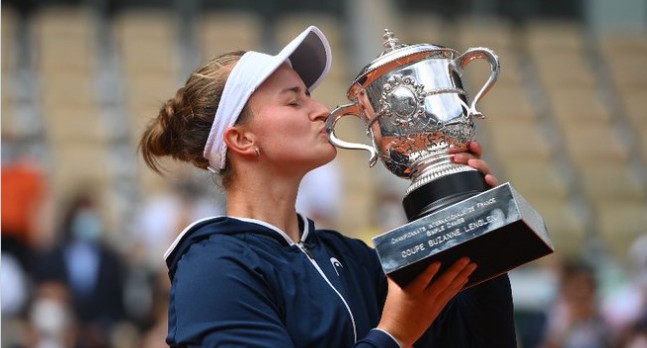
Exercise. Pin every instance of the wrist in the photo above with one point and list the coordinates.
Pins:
(395, 339)
(397, 335)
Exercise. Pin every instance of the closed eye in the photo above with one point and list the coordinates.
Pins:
(296, 95)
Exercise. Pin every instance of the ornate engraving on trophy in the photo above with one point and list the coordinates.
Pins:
(403, 101)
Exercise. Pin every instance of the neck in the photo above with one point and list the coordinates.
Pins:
(268, 198)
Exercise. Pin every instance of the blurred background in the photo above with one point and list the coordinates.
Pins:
(85, 223)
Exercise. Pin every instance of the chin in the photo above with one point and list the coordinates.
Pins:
(326, 157)
(331, 154)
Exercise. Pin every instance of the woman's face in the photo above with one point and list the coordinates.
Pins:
(289, 125)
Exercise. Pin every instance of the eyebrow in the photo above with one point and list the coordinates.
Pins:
(295, 89)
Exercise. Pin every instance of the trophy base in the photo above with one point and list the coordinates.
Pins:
(443, 192)
(497, 229)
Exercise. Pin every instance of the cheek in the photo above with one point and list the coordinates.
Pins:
(289, 131)
(282, 141)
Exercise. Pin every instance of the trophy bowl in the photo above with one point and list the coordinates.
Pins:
(412, 100)
(415, 107)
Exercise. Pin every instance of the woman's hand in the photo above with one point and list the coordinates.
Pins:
(472, 157)
(409, 311)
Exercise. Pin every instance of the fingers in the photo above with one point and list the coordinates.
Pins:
(457, 282)
(482, 166)
(472, 147)
(450, 274)
(471, 156)
(423, 279)
(463, 153)
(475, 148)
(457, 274)
(450, 292)
(454, 271)
(491, 180)
(479, 164)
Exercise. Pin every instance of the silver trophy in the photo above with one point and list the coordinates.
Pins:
(414, 105)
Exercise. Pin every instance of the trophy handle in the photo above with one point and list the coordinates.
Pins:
(479, 53)
(336, 115)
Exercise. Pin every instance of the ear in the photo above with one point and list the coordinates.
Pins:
(240, 141)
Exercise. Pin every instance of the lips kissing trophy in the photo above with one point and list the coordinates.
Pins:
(412, 101)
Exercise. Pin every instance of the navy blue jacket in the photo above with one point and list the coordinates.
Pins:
(242, 282)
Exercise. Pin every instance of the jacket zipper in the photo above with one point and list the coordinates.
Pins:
(308, 253)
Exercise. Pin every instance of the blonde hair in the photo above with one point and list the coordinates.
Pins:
(182, 126)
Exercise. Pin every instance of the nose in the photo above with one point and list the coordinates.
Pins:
(319, 112)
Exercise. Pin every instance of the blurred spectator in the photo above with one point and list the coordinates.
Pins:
(23, 191)
(637, 335)
(575, 320)
(14, 296)
(387, 213)
(51, 321)
(159, 220)
(14, 286)
(626, 307)
(163, 216)
(534, 287)
(155, 336)
(89, 268)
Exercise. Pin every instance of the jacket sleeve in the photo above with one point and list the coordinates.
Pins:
(377, 339)
(220, 299)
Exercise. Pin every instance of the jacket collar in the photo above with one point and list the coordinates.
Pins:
(206, 227)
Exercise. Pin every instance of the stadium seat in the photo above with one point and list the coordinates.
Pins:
(575, 106)
(625, 57)
(611, 182)
(146, 42)
(514, 140)
(564, 222)
(223, 31)
(9, 66)
(63, 88)
(78, 166)
(507, 103)
(620, 224)
(65, 40)
(634, 104)
(422, 27)
(591, 144)
(537, 179)
(9, 44)
(494, 33)
(546, 35)
(79, 125)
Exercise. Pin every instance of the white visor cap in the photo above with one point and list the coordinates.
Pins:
(308, 54)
